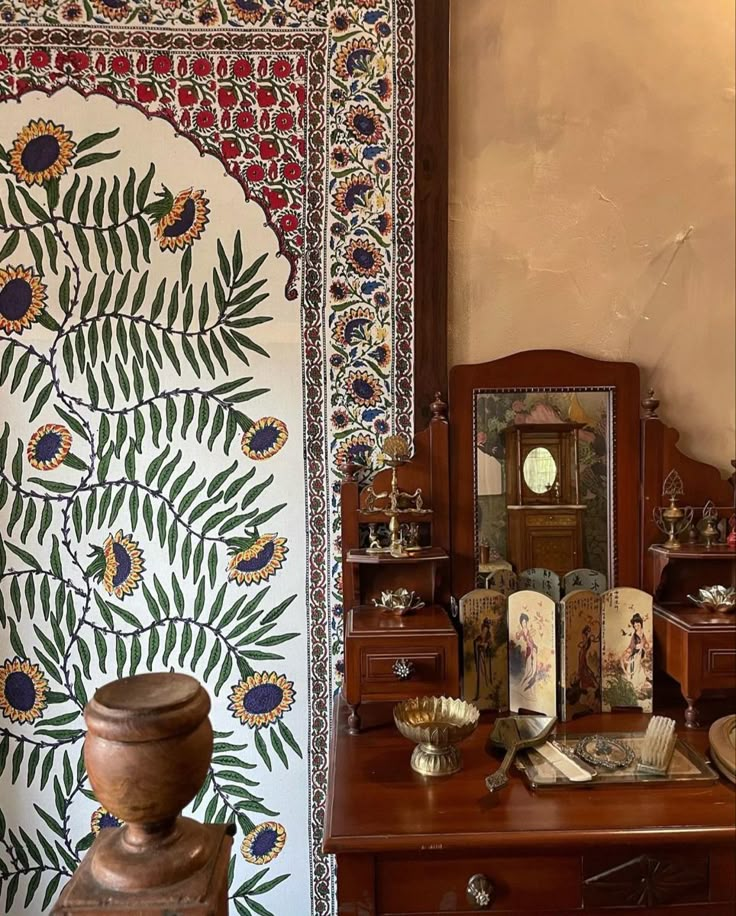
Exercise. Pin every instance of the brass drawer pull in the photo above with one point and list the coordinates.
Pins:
(480, 892)
(403, 669)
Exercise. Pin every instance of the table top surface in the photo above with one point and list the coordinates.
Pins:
(377, 803)
(691, 618)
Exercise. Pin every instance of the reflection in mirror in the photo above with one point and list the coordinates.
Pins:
(540, 470)
(543, 479)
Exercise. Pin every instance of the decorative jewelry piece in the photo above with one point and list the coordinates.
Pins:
(601, 751)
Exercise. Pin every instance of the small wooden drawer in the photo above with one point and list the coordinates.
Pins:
(551, 520)
(380, 669)
(434, 884)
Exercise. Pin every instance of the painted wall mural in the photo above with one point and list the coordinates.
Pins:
(203, 308)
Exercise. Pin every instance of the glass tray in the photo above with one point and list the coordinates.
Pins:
(687, 766)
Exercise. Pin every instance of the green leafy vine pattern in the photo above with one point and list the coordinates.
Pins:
(86, 509)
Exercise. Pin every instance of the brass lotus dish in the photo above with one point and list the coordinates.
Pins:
(400, 601)
(436, 725)
(716, 598)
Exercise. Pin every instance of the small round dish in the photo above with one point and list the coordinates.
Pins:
(602, 751)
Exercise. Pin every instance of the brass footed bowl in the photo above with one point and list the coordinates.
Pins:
(716, 598)
(436, 725)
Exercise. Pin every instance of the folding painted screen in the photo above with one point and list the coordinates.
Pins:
(202, 299)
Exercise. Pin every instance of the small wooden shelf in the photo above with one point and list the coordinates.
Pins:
(693, 619)
(695, 552)
(425, 555)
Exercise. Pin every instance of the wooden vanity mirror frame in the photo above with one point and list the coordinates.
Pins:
(551, 370)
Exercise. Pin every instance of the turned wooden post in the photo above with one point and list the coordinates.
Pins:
(147, 752)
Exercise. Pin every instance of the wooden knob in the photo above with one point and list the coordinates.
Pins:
(480, 892)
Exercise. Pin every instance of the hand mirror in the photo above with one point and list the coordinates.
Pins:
(516, 733)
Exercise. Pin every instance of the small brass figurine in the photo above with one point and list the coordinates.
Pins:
(672, 520)
(374, 544)
(710, 529)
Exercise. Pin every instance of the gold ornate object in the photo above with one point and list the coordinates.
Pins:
(710, 527)
(436, 725)
(716, 598)
(400, 601)
(394, 502)
(672, 520)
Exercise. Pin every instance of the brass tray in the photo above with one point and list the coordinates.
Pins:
(687, 766)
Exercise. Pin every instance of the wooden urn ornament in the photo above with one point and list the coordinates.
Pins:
(147, 751)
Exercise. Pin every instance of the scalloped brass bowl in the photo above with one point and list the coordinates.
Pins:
(716, 598)
(436, 725)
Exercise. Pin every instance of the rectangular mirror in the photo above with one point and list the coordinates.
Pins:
(544, 461)
(542, 479)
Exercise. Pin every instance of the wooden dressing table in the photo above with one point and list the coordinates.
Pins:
(406, 844)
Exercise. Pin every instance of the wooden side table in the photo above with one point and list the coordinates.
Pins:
(697, 649)
(390, 658)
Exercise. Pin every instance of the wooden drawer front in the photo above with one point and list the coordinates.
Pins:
(650, 879)
(379, 680)
(720, 660)
(430, 884)
(551, 520)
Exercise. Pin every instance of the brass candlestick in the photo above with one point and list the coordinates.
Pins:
(394, 502)
(672, 520)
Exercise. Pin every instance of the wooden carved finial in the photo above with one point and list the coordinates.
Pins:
(438, 407)
(147, 752)
(348, 470)
(650, 405)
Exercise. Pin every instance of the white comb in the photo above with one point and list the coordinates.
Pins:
(658, 746)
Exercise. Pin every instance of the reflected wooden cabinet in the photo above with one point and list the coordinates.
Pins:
(544, 513)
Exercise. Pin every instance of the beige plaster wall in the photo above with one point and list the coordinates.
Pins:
(587, 137)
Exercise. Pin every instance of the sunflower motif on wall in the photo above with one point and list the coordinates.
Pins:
(112, 9)
(363, 388)
(365, 258)
(48, 446)
(41, 152)
(261, 699)
(264, 438)
(118, 564)
(355, 57)
(257, 561)
(23, 689)
(263, 843)
(246, 10)
(102, 819)
(179, 220)
(365, 124)
(352, 193)
(355, 450)
(22, 297)
(354, 326)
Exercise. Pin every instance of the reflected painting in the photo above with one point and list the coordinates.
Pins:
(542, 480)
